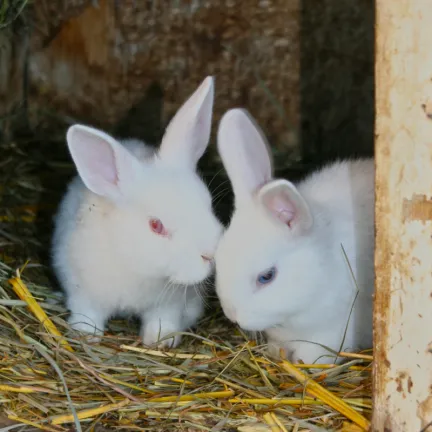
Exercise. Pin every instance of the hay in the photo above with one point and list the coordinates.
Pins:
(55, 380)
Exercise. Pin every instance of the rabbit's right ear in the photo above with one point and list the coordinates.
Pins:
(244, 152)
(188, 133)
(104, 165)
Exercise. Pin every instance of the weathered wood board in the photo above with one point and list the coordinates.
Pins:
(403, 302)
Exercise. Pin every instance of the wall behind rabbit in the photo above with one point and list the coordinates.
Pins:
(304, 69)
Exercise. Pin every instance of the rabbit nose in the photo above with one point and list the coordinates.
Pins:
(207, 257)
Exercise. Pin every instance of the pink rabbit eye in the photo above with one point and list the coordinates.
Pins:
(157, 226)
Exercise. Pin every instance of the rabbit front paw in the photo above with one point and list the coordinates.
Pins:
(311, 353)
(152, 334)
(160, 323)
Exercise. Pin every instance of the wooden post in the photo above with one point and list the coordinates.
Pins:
(403, 260)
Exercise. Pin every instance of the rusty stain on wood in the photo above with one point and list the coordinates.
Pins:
(425, 411)
(418, 208)
(404, 383)
(382, 279)
(427, 110)
(410, 384)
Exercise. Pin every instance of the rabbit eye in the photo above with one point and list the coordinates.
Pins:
(266, 276)
(157, 227)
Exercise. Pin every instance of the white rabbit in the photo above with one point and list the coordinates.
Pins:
(281, 265)
(135, 232)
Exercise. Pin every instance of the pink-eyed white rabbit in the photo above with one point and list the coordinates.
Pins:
(135, 232)
(281, 265)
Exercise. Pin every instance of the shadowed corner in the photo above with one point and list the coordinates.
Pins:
(337, 79)
(144, 120)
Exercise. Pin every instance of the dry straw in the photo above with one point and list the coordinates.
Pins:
(121, 384)
(53, 379)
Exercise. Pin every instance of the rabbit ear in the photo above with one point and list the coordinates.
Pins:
(244, 152)
(104, 165)
(188, 133)
(284, 202)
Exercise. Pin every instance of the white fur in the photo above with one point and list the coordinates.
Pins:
(300, 230)
(104, 253)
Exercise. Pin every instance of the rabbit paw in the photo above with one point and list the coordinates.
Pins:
(160, 323)
(273, 351)
(152, 333)
(311, 353)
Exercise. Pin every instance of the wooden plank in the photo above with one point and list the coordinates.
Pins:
(100, 63)
(403, 259)
(13, 51)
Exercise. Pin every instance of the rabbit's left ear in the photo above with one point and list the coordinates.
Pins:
(284, 202)
(188, 133)
(104, 165)
(244, 152)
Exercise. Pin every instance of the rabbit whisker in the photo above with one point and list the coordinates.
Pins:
(212, 179)
(165, 290)
(221, 194)
(198, 289)
(220, 185)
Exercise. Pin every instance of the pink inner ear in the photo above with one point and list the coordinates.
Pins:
(95, 159)
(281, 207)
(102, 163)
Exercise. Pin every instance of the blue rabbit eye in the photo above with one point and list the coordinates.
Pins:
(266, 276)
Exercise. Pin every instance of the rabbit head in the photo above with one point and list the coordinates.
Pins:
(161, 210)
(267, 265)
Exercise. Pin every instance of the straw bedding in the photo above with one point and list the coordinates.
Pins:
(52, 379)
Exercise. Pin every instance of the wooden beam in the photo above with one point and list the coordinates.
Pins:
(403, 258)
